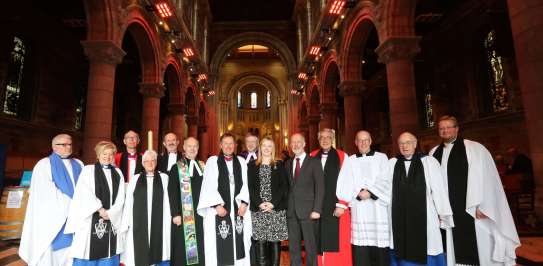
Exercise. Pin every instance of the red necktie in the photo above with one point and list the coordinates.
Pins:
(297, 169)
(228, 158)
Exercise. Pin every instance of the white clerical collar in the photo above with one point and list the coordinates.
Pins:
(450, 142)
(194, 164)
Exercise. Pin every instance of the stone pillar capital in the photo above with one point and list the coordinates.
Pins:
(176, 108)
(103, 52)
(398, 48)
(152, 90)
(351, 87)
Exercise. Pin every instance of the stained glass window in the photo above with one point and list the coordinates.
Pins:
(239, 99)
(15, 77)
(254, 104)
(428, 109)
(268, 99)
(498, 89)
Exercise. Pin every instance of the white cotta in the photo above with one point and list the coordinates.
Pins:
(83, 206)
(497, 236)
(210, 197)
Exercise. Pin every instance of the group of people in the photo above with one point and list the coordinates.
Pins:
(445, 208)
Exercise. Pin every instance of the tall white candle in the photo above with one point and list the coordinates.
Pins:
(150, 140)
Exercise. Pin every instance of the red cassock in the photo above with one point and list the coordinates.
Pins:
(334, 234)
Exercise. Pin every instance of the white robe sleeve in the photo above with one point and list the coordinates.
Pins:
(439, 193)
(209, 195)
(84, 202)
(346, 189)
(485, 191)
(126, 220)
(244, 192)
(382, 184)
(115, 213)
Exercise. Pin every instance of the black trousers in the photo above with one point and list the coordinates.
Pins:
(370, 256)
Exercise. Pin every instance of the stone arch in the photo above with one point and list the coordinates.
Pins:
(351, 51)
(314, 100)
(252, 38)
(102, 18)
(397, 18)
(148, 43)
(262, 78)
(191, 101)
(176, 96)
(330, 77)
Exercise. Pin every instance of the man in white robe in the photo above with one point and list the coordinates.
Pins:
(96, 211)
(146, 217)
(224, 202)
(43, 240)
(361, 184)
(418, 208)
(485, 233)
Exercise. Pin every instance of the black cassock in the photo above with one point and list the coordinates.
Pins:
(178, 255)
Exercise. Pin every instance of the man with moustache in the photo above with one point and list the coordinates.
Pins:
(129, 161)
(171, 155)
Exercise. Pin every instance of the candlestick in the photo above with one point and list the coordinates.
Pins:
(150, 140)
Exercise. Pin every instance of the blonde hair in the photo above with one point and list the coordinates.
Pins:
(259, 159)
(104, 145)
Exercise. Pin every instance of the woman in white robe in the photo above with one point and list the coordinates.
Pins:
(96, 211)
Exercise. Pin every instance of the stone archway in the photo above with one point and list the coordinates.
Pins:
(313, 117)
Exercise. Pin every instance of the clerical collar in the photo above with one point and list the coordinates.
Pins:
(451, 142)
(172, 152)
(106, 166)
(149, 174)
(132, 155)
(325, 152)
(370, 153)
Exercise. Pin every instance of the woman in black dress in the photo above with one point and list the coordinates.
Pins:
(268, 189)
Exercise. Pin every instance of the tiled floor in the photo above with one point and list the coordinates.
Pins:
(530, 253)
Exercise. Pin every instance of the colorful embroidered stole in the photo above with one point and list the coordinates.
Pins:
(187, 207)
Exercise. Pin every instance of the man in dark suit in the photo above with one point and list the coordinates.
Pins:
(306, 182)
(171, 155)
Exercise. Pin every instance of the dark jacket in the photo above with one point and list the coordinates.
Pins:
(306, 193)
(279, 186)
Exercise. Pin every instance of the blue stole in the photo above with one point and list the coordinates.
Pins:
(63, 182)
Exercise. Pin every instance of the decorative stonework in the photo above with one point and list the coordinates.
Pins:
(103, 52)
(398, 48)
(154, 90)
(351, 88)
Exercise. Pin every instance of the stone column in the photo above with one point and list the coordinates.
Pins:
(398, 53)
(329, 116)
(203, 138)
(192, 123)
(104, 56)
(313, 131)
(526, 21)
(178, 120)
(152, 92)
(304, 130)
(352, 104)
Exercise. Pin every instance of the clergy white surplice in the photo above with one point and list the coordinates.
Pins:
(46, 213)
(83, 206)
(369, 218)
(127, 221)
(497, 236)
(210, 197)
(438, 208)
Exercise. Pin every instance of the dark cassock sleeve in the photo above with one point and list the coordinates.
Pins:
(174, 191)
(254, 190)
(280, 198)
(318, 176)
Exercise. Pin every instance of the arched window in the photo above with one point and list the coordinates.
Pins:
(254, 99)
(268, 99)
(12, 96)
(498, 89)
(239, 99)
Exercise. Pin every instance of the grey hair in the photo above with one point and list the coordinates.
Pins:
(329, 130)
(149, 155)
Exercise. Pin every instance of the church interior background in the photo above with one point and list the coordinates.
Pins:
(97, 68)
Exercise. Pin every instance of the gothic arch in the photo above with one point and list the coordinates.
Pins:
(329, 72)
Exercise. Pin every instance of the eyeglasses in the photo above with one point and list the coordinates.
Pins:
(407, 143)
(446, 128)
(64, 144)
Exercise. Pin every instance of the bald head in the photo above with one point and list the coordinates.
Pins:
(297, 143)
(407, 143)
(190, 147)
(62, 145)
(363, 141)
